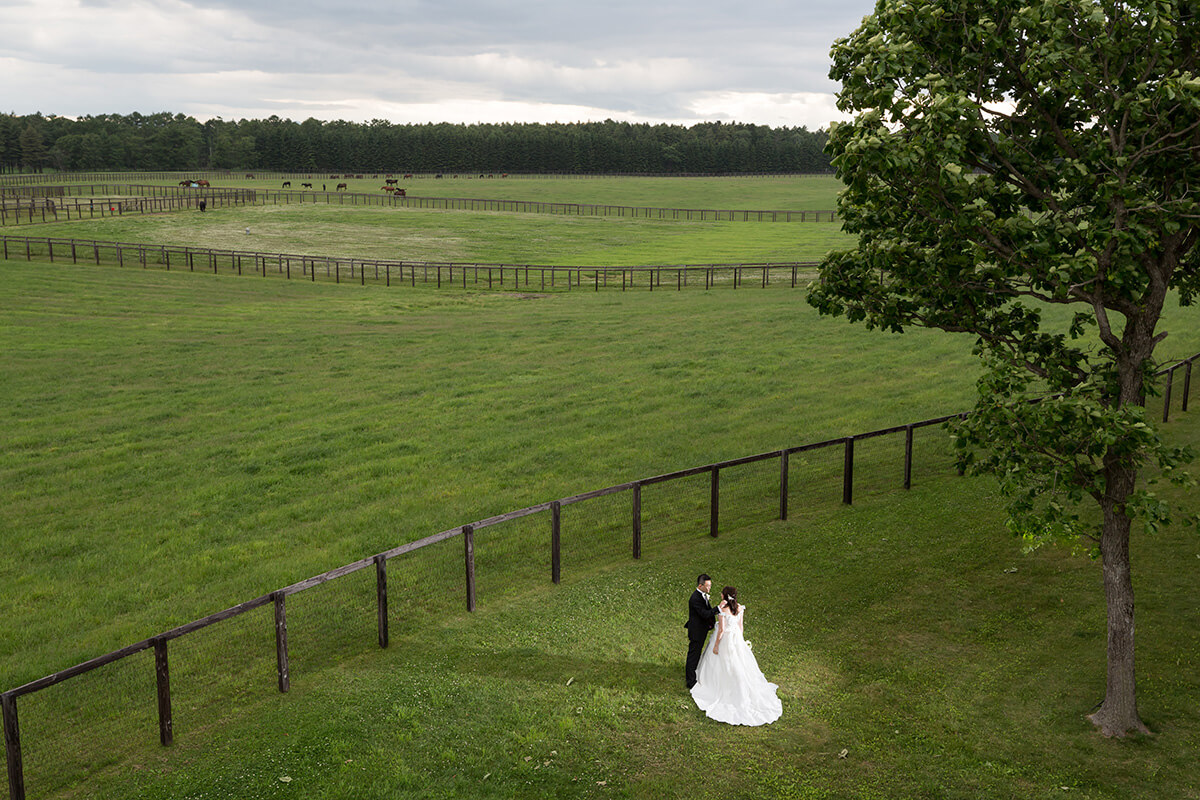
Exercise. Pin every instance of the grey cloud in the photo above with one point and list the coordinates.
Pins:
(645, 59)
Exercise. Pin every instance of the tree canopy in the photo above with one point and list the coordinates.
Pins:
(176, 142)
(1005, 160)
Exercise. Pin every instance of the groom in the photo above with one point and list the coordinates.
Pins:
(701, 618)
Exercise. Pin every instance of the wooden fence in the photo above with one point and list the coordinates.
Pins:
(526, 277)
(51, 203)
(278, 599)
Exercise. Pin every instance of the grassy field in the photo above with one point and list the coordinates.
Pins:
(462, 236)
(176, 443)
(783, 193)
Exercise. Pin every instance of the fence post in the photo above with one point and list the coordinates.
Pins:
(469, 558)
(714, 504)
(556, 541)
(281, 646)
(1187, 384)
(848, 472)
(637, 520)
(381, 600)
(162, 675)
(12, 748)
(1167, 394)
(783, 484)
(908, 447)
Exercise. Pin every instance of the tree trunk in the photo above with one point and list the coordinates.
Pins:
(1118, 714)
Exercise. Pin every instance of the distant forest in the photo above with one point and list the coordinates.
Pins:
(164, 141)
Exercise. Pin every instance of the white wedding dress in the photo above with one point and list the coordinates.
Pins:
(729, 685)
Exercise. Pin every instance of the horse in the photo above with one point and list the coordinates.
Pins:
(342, 186)
(401, 193)
(306, 186)
(202, 183)
(287, 184)
(391, 181)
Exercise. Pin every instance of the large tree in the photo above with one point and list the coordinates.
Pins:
(1008, 164)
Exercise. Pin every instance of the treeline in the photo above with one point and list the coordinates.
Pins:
(164, 141)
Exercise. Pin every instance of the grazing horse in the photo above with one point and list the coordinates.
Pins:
(401, 193)
(248, 175)
(287, 184)
(342, 186)
(391, 181)
(408, 176)
(388, 189)
(185, 183)
(202, 183)
(306, 186)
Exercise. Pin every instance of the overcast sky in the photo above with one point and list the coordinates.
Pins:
(675, 61)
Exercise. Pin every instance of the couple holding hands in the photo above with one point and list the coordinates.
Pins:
(723, 675)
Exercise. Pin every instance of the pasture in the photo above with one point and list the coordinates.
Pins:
(176, 443)
(794, 193)
(413, 234)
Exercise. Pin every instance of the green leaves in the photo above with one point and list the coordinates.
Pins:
(1076, 188)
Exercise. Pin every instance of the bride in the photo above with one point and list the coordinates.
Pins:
(729, 685)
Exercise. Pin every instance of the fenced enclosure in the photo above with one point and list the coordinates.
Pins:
(186, 679)
(442, 274)
(54, 203)
(31, 205)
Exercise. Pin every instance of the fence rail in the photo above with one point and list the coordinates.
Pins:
(633, 526)
(476, 275)
(53, 203)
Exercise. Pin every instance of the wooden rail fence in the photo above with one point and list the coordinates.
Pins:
(53, 203)
(476, 275)
(278, 598)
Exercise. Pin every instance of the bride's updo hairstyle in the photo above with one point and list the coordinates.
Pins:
(729, 593)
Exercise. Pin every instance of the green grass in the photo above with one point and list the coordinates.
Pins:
(783, 193)
(213, 421)
(176, 443)
(462, 236)
(906, 632)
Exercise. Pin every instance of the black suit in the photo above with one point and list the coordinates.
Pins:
(701, 619)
